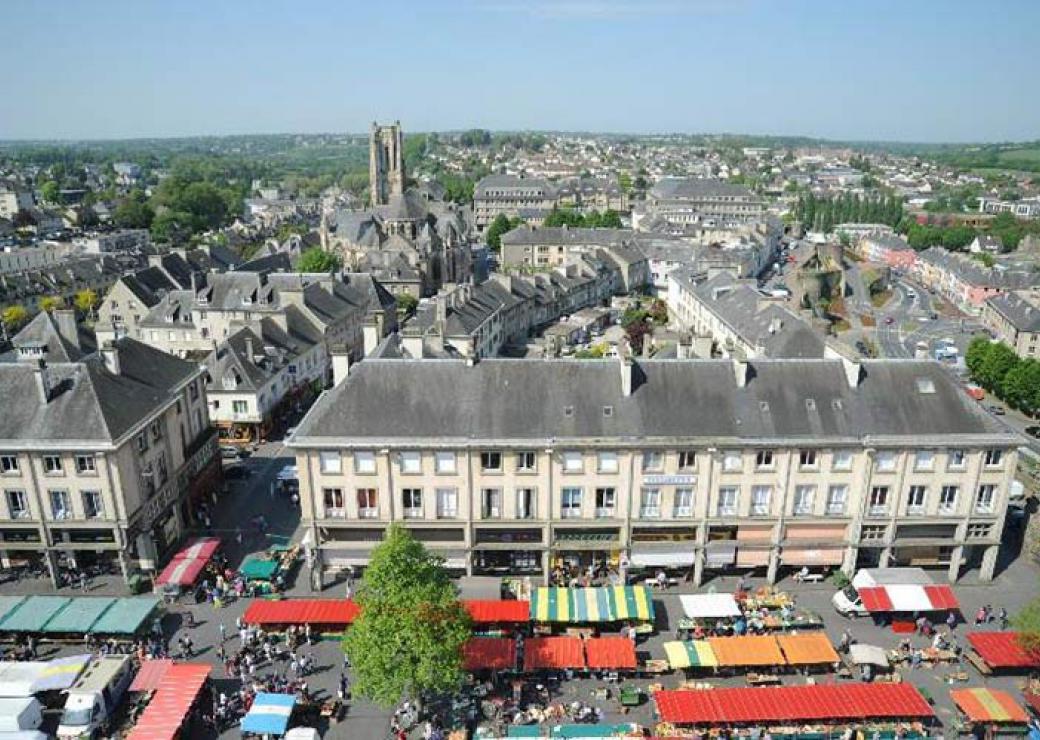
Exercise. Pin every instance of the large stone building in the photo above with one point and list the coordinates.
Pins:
(103, 454)
(517, 466)
(386, 177)
(529, 198)
(696, 200)
(1014, 318)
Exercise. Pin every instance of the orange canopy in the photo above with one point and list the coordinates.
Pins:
(750, 650)
(988, 705)
(808, 648)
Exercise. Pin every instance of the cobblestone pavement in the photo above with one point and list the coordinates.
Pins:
(1016, 584)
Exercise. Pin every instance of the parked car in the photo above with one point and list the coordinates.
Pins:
(228, 452)
(1033, 432)
(996, 410)
(889, 320)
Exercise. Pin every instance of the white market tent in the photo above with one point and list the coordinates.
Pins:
(710, 606)
(302, 733)
(868, 655)
(909, 598)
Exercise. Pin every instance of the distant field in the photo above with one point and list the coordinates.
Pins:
(1028, 155)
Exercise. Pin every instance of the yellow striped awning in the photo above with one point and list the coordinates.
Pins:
(690, 654)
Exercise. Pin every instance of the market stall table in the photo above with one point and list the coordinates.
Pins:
(269, 714)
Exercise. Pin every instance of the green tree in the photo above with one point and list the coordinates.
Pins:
(625, 182)
(1020, 384)
(499, 226)
(998, 363)
(1027, 624)
(407, 303)
(317, 259)
(976, 354)
(408, 638)
(13, 317)
(51, 192)
(50, 303)
(610, 220)
(134, 212)
(86, 301)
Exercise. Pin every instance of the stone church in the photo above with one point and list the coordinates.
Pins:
(409, 239)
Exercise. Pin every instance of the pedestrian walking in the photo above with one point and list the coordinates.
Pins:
(1002, 618)
(223, 633)
(980, 616)
(951, 620)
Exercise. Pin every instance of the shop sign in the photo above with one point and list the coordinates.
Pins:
(669, 480)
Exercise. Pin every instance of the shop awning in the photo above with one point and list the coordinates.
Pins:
(173, 699)
(690, 654)
(8, 604)
(792, 704)
(812, 555)
(748, 557)
(988, 705)
(608, 604)
(662, 558)
(34, 613)
(79, 615)
(610, 653)
(126, 616)
(203, 548)
(1003, 650)
(315, 612)
(907, 598)
(749, 650)
(721, 553)
(553, 653)
(594, 732)
(710, 606)
(269, 714)
(807, 648)
(150, 674)
(868, 655)
(489, 653)
(506, 610)
(186, 565)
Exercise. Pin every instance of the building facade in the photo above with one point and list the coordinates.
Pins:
(511, 195)
(518, 466)
(103, 456)
(1014, 318)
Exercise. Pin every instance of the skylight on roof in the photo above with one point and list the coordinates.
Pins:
(925, 385)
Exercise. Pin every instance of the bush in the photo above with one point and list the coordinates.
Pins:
(840, 579)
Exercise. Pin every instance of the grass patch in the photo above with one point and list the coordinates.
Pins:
(880, 298)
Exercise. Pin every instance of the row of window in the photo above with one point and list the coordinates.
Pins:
(60, 504)
(52, 465)
(604, 502)
(652, 460)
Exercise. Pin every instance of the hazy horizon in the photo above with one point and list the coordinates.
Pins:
(881, 71)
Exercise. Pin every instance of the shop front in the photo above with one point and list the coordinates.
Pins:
(813, 546)
(672, 549)
(91, 550)
(502, 552)
(754, 545)
(578, 552)
(21, 551)
(924, 545)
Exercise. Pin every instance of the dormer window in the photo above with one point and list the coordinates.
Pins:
(230, 381)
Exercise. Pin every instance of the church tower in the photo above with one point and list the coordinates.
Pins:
(385, 163)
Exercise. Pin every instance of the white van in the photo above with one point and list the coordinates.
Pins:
(95, 695)
(847, 601)
(25, 713)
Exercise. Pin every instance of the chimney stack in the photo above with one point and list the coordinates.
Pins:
(853, 371)
(65, 320)
(43, 382)
(249, 349)
(628, 367)
(110, 354)
(340, 365)
(740, 372)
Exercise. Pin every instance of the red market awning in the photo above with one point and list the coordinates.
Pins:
(487, 612)
(942, 598)
(791, 704)
(174, 696)
(875, 599)
(610, 653)
(186, 565)
(553, 653)
(315, 612)
(489, 653)
(203, 548)
(988, 705)
(150, 675)
(1003, 650)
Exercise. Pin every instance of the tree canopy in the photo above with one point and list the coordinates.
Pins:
(997, 368)
(86, 300)
(1027, 624)
(499, 226)
(593, 219)
(50, 303)
(14, 316)
(317, 259)
(408, 638)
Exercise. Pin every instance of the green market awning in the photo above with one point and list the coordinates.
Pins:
(126, 616)
(580, 605)
(34, 613)
(8, 604)
(79, 615)
(690, 654)
(256, 569)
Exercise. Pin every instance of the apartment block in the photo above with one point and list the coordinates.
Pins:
(512, 467)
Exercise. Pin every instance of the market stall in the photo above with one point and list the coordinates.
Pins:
(792, 704)
(1002, 651)
(488, 614)
(20, 678)
(33, 613)
(175, 692)
(868, 659)
(710, 606)
(186, 566)
(994, 713)
(610, 653)
(690, 654)
(78, 616)
(489, 654)
(269, 714)
(747, 651)
(808, 649)
(127, 616)
(325, 615)
(592, 605)
(553, 653)
(8, 604)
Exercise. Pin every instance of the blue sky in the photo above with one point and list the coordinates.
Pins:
(912, 70)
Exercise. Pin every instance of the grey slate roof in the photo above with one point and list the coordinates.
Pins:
(696, 187)
(1022, 314)
(554, 400)
(90, 404)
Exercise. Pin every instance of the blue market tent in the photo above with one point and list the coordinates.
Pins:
(269, 714)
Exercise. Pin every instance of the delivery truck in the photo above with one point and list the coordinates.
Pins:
(95, 696)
